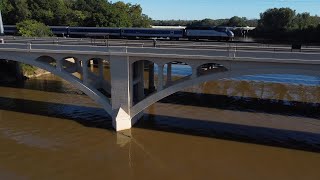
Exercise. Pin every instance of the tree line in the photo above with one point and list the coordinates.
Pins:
(275, 23)
(91, 13)
(286, 24)
(234, 21)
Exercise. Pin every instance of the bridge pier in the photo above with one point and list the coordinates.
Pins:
(59, 64)
(138, 81)
(85, 72)
(127, 86)
(160, 77)
(152, 87)
(19, 73)
(169, 73)
(101, 68)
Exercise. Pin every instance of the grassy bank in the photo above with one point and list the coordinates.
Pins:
(28, 70)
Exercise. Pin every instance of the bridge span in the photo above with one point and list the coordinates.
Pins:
(124, 97)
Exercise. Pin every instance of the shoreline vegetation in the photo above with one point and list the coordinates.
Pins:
(29, 71)
(9, 72)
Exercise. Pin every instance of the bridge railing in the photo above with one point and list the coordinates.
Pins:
(168, 52)
(226, 53)
(51, 47)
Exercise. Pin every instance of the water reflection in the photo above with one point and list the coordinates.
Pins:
(260, 90)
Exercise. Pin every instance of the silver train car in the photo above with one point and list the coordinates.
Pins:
(173, 34)
(211, 33)
(215, 33)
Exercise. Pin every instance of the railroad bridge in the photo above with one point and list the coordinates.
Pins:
(124, 95)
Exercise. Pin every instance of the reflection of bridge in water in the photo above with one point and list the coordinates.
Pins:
(126, 95)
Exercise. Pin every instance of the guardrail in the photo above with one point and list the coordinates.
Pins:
(229, 52)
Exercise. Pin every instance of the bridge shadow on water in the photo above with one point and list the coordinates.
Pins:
(97, 118)
(246, 104)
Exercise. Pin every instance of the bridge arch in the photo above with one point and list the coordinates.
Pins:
(94, 94)
(100, 77)
(209, 68)
(237, 71)
(170, 68)
(48, 60)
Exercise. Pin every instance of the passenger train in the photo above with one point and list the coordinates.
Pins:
(211, 33)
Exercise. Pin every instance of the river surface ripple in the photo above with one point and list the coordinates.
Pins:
(227, 129)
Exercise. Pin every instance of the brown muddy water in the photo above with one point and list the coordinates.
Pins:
(226, 129)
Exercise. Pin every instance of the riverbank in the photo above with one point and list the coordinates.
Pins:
(36, 73)
(9, 73)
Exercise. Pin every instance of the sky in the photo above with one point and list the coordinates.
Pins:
(216, 9)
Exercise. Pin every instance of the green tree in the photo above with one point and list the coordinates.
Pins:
(120, 15)
(32, 28)
(277, 19)
(203, 23)
(138, 19)
(237, 21)
(305, 20)
(15, 11)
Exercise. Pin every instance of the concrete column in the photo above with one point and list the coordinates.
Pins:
(85, 72)
(78, 64)
(19, 73)
(121, 92)
(194, 72)
(101, 68)
(140, 85)
(59, 64)
(151, 78)
(169, 73)
(160, 77)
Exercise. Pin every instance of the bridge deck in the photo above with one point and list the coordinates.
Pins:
(229, 53)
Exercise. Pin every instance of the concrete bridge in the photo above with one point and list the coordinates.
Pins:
(125, 97)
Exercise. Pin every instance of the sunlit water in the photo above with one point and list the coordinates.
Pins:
(228, 129)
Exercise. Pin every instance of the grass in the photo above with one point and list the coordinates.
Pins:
(28, 69)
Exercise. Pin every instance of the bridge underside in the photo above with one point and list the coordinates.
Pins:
(138, 82)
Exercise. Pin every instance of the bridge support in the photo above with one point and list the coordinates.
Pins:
(85, 72)
(126, 84)
(160, 77)
(19, 73)
(152, 87)
(169, 73)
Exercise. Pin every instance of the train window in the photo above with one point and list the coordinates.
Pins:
(200, 28)
(220, 29)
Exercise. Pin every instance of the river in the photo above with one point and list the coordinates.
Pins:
(227, 129)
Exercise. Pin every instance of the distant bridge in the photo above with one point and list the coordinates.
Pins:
(125, 98)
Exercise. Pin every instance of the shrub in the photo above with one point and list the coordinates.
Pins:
(32, 28)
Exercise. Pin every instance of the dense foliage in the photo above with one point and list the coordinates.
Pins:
(286, 24)
(234, 21)
(97, 13)
(32, 28)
